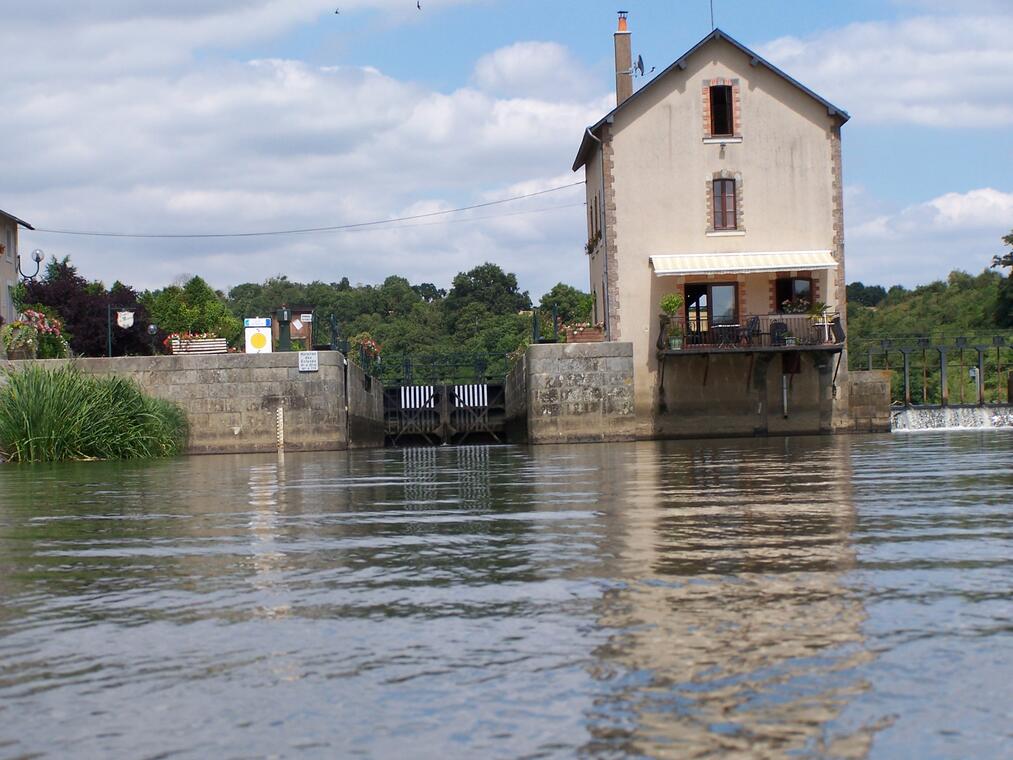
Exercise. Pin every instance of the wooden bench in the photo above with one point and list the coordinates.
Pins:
(200, 346)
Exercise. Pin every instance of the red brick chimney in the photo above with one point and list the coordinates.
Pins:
(624, 61)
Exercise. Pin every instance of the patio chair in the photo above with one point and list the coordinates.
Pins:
(778, 330)
(751, 330)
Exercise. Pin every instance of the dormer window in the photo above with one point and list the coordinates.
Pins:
(722, 119)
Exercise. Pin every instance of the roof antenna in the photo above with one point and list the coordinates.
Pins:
(712, 15)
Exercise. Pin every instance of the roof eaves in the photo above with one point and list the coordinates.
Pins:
(22, 222)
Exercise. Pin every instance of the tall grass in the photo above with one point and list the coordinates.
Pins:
(49, 415)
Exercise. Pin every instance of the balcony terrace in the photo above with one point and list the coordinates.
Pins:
(755, 333)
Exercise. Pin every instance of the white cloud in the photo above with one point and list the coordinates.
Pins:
(924, 241)
(543, 70)
(942, 71)
(158, 139)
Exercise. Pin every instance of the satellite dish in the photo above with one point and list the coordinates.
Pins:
(640, 65)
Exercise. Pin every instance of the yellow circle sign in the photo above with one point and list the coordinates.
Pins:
(258, 340)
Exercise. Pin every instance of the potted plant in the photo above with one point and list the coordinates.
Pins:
(20, 340)
(789, 339)
(675, 336)
(670, 306)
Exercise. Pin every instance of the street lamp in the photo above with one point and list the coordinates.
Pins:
(37, 257)
(152, 331)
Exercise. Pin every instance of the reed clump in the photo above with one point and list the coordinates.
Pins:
(51, 415)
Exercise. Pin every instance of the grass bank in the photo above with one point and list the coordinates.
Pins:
(52, 415)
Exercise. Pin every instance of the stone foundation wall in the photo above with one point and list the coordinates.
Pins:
(718, 395)
(365, 409)
(232, 400)
(870, 401)
(568, 393)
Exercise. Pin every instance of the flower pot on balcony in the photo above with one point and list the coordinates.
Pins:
(675, 342)
(790, 340)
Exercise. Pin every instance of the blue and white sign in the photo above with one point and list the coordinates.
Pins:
(257, 322)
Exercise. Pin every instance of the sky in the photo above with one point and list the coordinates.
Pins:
(224, 116)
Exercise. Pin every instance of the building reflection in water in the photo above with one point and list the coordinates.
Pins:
(729, 629)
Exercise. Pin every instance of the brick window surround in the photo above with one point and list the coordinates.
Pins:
(817, 295)
(739, 217)
(736, 106)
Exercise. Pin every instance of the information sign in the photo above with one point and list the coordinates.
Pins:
(309, 361)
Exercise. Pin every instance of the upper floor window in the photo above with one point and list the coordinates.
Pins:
(722, 119)
(793, 294)
(724, 204)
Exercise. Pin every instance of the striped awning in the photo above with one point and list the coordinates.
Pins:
(733, 263)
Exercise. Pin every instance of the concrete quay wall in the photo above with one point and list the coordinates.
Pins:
(232, 400)
(572, 392)
(870, 401)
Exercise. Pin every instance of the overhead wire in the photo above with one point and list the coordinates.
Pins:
(330, 228)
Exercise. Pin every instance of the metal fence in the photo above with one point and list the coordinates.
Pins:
(941, 369)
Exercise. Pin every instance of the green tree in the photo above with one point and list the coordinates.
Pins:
(487, 285)
(1004, 301)
(572, 305)
(193, 308)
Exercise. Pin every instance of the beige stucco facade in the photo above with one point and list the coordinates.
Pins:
(8, 265)
(654, 198)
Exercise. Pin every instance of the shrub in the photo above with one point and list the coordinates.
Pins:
(49, 415)
(671, 304)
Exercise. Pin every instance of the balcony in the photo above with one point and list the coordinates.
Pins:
(755, 333)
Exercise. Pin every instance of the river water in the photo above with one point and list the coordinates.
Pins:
(807, 597)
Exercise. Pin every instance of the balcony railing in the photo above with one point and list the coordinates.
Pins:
(775, 332)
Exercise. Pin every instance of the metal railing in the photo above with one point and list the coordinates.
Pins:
(752, 331)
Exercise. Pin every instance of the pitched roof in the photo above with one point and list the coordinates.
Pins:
(22, 222)
(717, 34)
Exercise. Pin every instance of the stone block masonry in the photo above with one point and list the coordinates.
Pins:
(870, 401)
(232, 400)
(569, 393)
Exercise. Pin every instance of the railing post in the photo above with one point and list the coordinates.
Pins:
(944, 388)
(555, 324)
(907, 375)
(870, 360)
(981, 375)
(333, 322)
(535, 327)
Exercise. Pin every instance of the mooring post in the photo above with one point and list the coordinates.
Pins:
(944, 388)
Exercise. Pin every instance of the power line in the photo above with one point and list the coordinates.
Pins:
(303, 230)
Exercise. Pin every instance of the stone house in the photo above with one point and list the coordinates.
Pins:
(9, 262)
(720, 180)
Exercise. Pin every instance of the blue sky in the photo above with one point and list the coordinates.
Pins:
(235, 115)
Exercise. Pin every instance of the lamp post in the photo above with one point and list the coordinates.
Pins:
(37, 257)
(152, 332)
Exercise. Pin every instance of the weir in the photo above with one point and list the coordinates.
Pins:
(915, 419)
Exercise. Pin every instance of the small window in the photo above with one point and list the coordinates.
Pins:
(724, 204)
(721, 110)
(793, 294)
